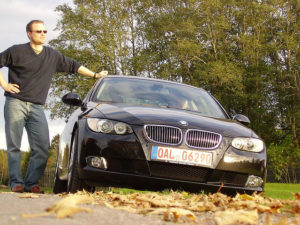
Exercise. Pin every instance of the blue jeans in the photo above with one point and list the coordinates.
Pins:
(19, 114)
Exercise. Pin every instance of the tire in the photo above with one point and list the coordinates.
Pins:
(74, 183)
(59, 185)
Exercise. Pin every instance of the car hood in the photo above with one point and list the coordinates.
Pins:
(140, 115)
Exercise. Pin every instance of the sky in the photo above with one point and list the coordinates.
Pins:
(14, 15)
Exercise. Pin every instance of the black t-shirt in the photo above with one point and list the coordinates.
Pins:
(33, 73)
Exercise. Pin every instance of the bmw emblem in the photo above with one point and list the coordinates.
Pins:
(183, 123)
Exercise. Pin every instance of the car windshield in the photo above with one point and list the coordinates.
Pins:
(154, 93)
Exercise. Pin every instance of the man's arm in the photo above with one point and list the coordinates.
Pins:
(13, 88)
(88, 73)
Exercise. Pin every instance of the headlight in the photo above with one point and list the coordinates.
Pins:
(121, 128)
(248, 144)
(104, 126)
(108, 126)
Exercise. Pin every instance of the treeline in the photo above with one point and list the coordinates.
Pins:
(246, 53)
(48, 177)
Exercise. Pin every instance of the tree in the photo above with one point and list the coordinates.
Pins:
(246, 53)
(3, 168)
(99, 34)
(284, 160)
(25, 162)
(286, 57)
(49, 173)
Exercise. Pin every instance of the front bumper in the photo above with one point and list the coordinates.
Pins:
(97, 177)
(128, 164)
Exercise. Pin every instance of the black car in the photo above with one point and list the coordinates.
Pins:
(142, 132)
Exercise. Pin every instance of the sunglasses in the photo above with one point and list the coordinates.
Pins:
(40, 31)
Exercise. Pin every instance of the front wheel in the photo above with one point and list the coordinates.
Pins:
(74, 182)
(59, 185)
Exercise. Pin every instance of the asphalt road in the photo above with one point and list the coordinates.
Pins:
(12, 205)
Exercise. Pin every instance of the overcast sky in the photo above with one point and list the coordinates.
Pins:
(14, 15)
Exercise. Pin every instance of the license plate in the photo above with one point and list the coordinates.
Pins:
(181, 156)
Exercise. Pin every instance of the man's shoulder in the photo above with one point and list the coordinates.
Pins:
(20, 46)
(17, 48)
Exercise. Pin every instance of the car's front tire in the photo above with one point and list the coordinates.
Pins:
(74, 183)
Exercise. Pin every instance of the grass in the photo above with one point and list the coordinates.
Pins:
(273, 190)
(281, 191)
(4, 188)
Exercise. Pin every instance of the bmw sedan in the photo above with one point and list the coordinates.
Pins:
(150, 133)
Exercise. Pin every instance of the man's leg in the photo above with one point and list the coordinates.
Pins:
(38, 137)
(14, 115)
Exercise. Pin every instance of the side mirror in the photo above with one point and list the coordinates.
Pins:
(72, 99)
(242, 119)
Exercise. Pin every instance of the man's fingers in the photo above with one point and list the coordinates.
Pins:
(13, 88)
(104, 73)
(15, 85)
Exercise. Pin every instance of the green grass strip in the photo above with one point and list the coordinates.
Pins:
(281, 191)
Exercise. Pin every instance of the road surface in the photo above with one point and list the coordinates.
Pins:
(13, 205)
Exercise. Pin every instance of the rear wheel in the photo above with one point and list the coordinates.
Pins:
(74, 183)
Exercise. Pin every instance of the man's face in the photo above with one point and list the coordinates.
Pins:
(37, 34)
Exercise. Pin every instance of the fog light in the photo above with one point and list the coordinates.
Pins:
(98, 162)
(254, 181)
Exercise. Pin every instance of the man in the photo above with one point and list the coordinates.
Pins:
(31, 67)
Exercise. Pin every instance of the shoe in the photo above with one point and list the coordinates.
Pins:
(18, 189)
(36, 190)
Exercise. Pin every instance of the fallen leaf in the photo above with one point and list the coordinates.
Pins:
(185, 194)
(127, 208)
(108, 205)
(173, 213)
(218, 208)
(30, 195)
(295, 205)
(66, 207)
(221, 186)
(202, 207)
(246, 197)
(178, 212)
(297, 196)
(236, 217)
(283, 221)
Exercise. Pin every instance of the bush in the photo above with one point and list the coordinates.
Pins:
(284, 161)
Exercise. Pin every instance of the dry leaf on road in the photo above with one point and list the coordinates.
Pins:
(29, 195)
(229, 217)
(67, 206)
